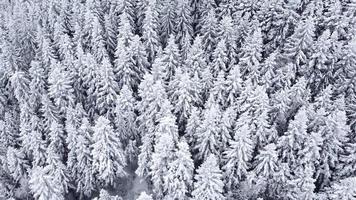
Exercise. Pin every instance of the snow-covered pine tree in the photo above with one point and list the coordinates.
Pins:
(180, 174)
(227, 32)
(17, 164)
(125, 29)
(291, 143)
(167, 19)
(298, 47)
(152, 96)
(150, 33)
(209, 184)
(138, 58)
(125, 73)
(184, 94)
(43, 185)
(251, 55)
(37, 85)
(207, 134)
(38, 148)
(266, 166)
(19, 83)
(171, 59)
(184, 28)
(322, 63)
(302, 187)
(220, 59)
(331, 123)
(105, 195)
(56, 138)
(234, 85)
(193, 123)
(58, 171)
(107, 90)
(218, 91)
(110, 34)
(161, 158)
(125, 115)
(276, 21)
(208, 31)
(60, 86)
(108, 155)
(196, 60)
(238, 156)
(85, 179)
(73, 122)
(89, 74)
(227, 8)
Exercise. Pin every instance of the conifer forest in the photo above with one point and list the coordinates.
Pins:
(178, 99)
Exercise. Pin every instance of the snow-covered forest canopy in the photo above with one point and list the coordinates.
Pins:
(178, 99)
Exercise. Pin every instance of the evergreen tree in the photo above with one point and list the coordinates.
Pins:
(43, 185)
(251, 55)
(73, 122)
(303, 185)
(208, 132)
(184, 27)
(38, 84)
(276, 21)
(334, 130)
(220, 59)
(170, 59)
(90, 77)
(19, 82)
(268, 74)
(227, 8)
(209, 184)
(108, 155)
(267, 161)
(226, 32)
(16, 163)
(107, 89)
(153, 96)
(104, 195)
(299, 44)
(196, 60)
(56, 137)
(184, 95)
(193, 123)
(218, 91)
(180, 174)
(150, 35)
(85, 179)
(161, 159)
(290, 144)
(138, 57)
(60, 87)
(234, 85)
(167, 19)
(58, 171)
(238, 156)
(125, 29)
(110, 35)
(322, 63)
(125, 73)
(38, 148)
(125, 115)
(208, 31)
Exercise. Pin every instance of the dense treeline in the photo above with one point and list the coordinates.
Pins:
(178, 99)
